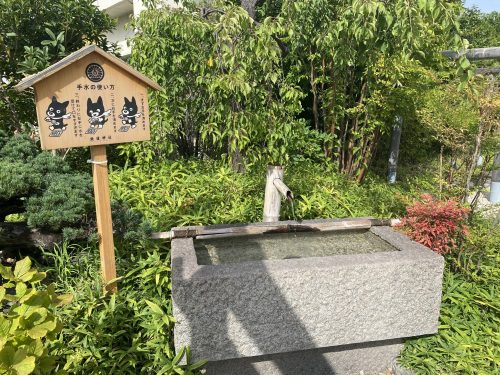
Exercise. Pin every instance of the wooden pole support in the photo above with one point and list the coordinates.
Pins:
(272, 198)
(104, 221)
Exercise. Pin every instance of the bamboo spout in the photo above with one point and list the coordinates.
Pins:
(283, 189)
(275, 187)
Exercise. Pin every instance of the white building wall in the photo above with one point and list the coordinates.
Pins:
(123, 11)
(138, 7)
(122, 32)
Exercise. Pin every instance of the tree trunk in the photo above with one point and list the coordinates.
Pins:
(237, 161)
(351, 165)
(473, 162)
(333, 120)
(345, 151)
(314, 90)
(451, 173)
(372, 150)
(249, 6)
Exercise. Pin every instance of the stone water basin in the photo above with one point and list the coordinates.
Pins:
(253, 304)
(279, 246)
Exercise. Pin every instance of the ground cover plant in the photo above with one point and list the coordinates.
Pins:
(467, 333)
(200, 193)
(467, 340)
(28, 322)
(126, 333)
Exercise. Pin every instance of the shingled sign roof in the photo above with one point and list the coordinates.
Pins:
(75, 56)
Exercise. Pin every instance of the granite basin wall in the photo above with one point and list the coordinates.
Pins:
(365, 358)
(260, 308)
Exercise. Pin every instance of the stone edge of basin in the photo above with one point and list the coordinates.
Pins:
(411, 250)
(409, 281)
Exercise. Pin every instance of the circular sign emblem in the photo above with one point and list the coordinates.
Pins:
(94, 72)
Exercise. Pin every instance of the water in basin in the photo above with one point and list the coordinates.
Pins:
(288, 246)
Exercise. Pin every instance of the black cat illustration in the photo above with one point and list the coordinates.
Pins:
(97, 115)
(129, 113)
(56, 113)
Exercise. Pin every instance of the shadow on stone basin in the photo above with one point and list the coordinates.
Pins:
(342, 359)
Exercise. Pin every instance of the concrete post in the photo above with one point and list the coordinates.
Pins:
(393, 157)
(495, 181)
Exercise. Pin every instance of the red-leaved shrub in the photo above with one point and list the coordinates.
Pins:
(439, 225)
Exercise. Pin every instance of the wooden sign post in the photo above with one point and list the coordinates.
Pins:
(92, 98)
(103, 213)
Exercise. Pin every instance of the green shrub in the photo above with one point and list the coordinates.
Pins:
(65, 202)
(439, 225)
(127, 333)
(22, 148)
(189, 193)
(321, 191)
(202, 193)
(130, 229)
(479, 257)
(50, 195)
(28, 321)
(42, 186)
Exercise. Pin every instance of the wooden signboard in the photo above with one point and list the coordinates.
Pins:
(92, 98)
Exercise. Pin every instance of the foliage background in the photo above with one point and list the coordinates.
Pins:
(34, 36)
(313, 85)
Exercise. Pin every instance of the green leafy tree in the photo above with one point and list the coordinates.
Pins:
(34, 35)
(351, 55)
(480, 29)
(463, 123)
(235, 87)
(224, 94)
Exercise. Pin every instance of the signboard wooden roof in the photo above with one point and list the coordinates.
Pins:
(90, 98)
